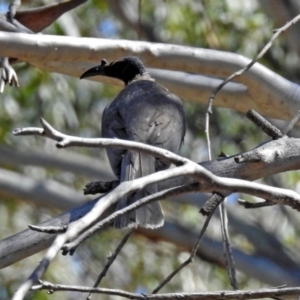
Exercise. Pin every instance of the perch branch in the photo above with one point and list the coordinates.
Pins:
(208, 181)
(186, 168)
(271, 157)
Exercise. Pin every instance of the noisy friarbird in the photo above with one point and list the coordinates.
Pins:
(146, 112)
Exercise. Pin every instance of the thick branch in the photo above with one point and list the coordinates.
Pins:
(41, 192)
(187, 86)
(207, 182)
(95, 168)
(39, 18)
(271, 94)
(276, 156)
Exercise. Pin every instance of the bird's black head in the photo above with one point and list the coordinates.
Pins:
(125, 68)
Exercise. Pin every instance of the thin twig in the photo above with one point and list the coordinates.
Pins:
(276, 33)
(45, 285)
(49, 229)
(12, 9)
(157, 196)
(65, 141)
(207, 135)
(41, 268)
(111, 260)
(293, 122)
(249, 205)
(226, 295)
(229, 260)
(206, 179)
(209, 182)
(264, 124)
(189, 260)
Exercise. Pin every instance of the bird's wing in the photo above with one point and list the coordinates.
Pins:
(113, 126)
(145, 112)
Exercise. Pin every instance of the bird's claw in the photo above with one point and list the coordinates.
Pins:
(8, 75)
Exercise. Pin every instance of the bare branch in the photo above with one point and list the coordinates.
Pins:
(59, 55)
(264, 124)
(272, 157)
(68, 141)
(254, 205)
(191, 257)
(242, 71)
(49, 229)
(71, 246)
(42, 192)
(28, 242)
(39, 18)
(111, 259)
(207, 181)
(211, 204)
(63, 160)
(41, 268)
(227, 295)
(230, 264)
(100, 187)
(173, 233)
(239, 73)
(292, 122)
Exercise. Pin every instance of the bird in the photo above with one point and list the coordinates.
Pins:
(144, 111)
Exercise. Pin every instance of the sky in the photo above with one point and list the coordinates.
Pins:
(3, 7)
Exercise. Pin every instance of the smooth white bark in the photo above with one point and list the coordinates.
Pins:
(268, 93)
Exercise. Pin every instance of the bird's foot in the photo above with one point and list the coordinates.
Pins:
(8, 74)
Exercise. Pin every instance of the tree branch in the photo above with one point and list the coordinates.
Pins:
(207, 182)
(272, 157)
(247, 294)
(63, 160)
(72, 56)
(41, 192)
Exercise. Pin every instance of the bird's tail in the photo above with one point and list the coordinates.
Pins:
(136, 165)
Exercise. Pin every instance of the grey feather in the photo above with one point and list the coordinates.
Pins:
(135, 165)
(146, 112)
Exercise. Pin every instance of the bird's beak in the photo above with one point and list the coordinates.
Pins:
(98, 70)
